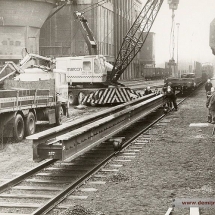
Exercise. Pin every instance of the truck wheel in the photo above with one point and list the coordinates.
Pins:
(30, 124)
(19, 128)
(73, 100)
(59, 115)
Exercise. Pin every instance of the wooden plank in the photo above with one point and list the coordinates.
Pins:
(37, 188)
(97, 182)
(27, 196)
(77, 197)
(12, 214)
(62, 174)
(109, 170)
(169, 211)
(99, 176)
(19, 205)
(194, 211)
(44, 181)
(199, 125)
(67, 169)
(90, 189)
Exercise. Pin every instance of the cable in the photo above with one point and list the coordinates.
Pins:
(113, 26)
(97, 5)
(91, 6)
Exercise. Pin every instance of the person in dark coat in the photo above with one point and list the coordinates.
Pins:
(208, 86)
(148, 91)
(164, 89)
(210, 104)
(171, 97)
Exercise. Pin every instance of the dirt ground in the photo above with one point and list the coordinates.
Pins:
(17, 157)
(178, 162)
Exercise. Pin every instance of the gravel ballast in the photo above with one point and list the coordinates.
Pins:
(178, 162)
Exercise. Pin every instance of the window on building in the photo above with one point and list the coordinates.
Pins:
(17, 43)
(4, 42)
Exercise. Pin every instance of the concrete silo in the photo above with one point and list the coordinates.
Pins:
(20, 23)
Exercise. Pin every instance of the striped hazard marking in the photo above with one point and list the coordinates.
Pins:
(112, 95)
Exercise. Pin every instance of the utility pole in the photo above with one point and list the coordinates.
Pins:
(178, 24)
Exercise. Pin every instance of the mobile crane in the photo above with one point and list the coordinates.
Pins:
(99, 79)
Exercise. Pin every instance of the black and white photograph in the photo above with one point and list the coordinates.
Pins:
(107, 107)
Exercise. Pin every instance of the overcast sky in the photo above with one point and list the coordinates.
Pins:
(194, 17)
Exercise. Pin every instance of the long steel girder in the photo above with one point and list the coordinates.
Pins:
(135, 38)
(78, 141)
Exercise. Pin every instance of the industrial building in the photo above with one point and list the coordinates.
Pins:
(20, 23)
(109, 21)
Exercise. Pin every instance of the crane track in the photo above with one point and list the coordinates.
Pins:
(66, 176)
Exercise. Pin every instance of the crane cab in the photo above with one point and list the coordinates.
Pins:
(84, 69)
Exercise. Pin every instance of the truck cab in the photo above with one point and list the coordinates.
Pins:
(60, 89)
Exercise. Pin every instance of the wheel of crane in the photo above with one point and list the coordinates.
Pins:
(19, 128)
(92, 103)
(116, 145)
(30, 124)
(73, 100)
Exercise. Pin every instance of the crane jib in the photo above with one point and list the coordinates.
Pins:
(135, 37)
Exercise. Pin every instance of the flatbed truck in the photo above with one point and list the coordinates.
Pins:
(33, 94)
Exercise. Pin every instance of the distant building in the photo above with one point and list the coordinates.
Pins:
(109, 22)
(20, 23)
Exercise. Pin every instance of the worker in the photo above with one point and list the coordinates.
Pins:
(208, 86)
(164, 89)
(170, 97)
(210, 104)
(147, 90)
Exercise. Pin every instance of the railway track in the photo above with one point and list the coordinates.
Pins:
(56, 182)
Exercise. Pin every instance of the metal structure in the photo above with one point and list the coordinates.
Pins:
(86, 33)
(134, 39)
(71, 140)
(173, 5)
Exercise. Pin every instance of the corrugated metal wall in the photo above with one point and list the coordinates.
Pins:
(109, 22)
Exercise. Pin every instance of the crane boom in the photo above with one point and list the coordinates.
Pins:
(134, 39)
(87, 33)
